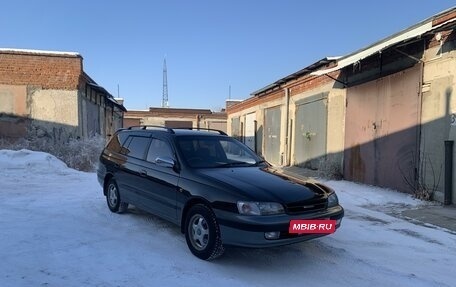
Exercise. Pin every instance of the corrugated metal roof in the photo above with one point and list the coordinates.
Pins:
(412, 32)
(306, 70)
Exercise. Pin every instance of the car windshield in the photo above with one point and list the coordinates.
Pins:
(216, 152)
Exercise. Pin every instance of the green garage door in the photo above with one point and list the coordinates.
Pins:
(310, 131)
(272, 135)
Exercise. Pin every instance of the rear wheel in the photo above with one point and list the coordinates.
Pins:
(203, 233)
(115, 204)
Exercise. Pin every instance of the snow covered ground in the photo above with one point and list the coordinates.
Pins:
(57, 231)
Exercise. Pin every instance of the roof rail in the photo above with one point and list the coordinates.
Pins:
(171, 130)
(146, 127)
(204, 129)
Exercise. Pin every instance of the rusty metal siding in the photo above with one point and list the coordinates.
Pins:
(382, 128)
(310, 131)
(272, 135)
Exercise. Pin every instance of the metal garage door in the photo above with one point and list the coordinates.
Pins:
(310, 131)
(381, 131)
(272, 135)
(249, 138)
(235, 130)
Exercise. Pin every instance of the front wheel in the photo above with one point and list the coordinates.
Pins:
(203, 233)
(113, 200)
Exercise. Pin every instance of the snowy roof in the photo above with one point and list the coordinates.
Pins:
(39, 52)
(412, 32)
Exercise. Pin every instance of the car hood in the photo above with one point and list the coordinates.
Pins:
(264, 184)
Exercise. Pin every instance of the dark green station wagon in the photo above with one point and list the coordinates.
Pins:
(211, 185)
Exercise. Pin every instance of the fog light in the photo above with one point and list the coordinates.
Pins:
(272, 235)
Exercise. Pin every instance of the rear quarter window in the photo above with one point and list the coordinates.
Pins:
(116, 142)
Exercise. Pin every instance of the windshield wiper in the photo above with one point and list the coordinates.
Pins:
(230, 164)
(259, 162)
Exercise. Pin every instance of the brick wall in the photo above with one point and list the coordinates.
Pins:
(256, 101)
(311, 82)
(49, 71)
(296, 87)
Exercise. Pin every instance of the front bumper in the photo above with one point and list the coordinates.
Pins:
(249, 231)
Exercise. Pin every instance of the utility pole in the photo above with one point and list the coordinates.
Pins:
(165, 86)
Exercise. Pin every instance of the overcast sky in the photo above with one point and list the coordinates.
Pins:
(209, 45)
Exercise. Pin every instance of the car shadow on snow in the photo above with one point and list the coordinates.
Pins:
(264, 259)
(273, 258)
(153, 220)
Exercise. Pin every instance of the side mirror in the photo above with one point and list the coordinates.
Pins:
(165, 161)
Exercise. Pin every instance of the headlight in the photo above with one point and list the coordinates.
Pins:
(332, 200)
(259, 208)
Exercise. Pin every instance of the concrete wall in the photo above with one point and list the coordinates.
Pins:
(13, 111)
(44, 94)
(13, 99)
(336, 129)
(54, 113)
(438, 108)
(28, 111)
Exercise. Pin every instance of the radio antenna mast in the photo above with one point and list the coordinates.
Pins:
(165, 86)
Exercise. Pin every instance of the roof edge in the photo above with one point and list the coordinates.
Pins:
(307, 70)
(411, 32)
(39, 52)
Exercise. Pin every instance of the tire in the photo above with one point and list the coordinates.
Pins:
(113, 199)
(202, 233)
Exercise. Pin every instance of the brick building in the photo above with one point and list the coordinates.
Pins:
(177, 118)
(48, 94)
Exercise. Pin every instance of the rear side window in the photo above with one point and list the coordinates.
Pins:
(115, 144)
(136, 146)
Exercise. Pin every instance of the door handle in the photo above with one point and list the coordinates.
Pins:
(143, 173)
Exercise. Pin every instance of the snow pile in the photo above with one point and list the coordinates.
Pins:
(354, 194)
(58, 231)
(32, 161)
